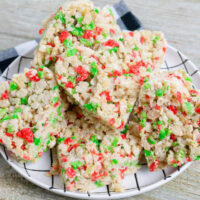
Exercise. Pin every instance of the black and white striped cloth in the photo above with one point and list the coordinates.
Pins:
(125, 19)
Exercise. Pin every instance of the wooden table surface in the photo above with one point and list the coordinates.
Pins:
(180, 22)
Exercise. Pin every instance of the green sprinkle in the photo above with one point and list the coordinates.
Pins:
(91, 107)
(113, 50)
(115, 141)
(60, 16)
(110, 11)
(189, 108)
(181, 153)
(6, 117)
(24, 101)
(149, 70)
(114, 161)
(10, 128)
(197, 158)
(63, 170)
(96, 10)
(143, 122)
(73, 137)
(81, 58)
(121, 39)
(90, 26)
(130, 108)
(155, 40)
(79, 20)
(125, 129)
(17, 110)
(95, 140)
(162, 134)
(76, 164)
(175, 144)
(37, 141)
(87, 43)
(73, 91)
(60, 140)
(93, 69)
(98, 183)
(67, 43)
(151, 140)
(55, 100)
(41, 74)
(136, 48)
(147, 86)
(147, 153)
(77, 31)
(13, 86)
(159, 93)
(188, 79)
(71, 52)
(3, 111)
(76, 178)
(34, 129)
(104, 35)
(56, 87)
(48, 50)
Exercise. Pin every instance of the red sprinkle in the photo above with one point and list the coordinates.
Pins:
(68, 140)
(23, 147)
(112, 121)
(13, 145)
(141, 39)
(164, 49)
(41, 31)
(111, 43)
(26, 134)
(88, 34)
(64, 159)
(154, 166)
(81, 71)
(131, 34)
(56, 104)
(122, 172)
(9, 134)
(26, 157)
(1, 141)
(50, 44)
(179, 97)
(173, 137)
(69, 85)
(123, 136)
(5, 95)
(63, 36)
(197, 110)
(70, 172)
(117, 105)
(173, 109)
(98, 30)
(107, 94)
(193, 92)
(112, 31)
(40, 154)
(122, 125)
(157, 107)
(32, 77)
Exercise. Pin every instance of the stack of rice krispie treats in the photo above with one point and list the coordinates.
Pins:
(97, 93)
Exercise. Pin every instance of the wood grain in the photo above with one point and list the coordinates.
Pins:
(180, 22)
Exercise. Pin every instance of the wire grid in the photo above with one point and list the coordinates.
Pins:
(22, 61)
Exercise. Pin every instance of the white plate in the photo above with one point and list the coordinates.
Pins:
(137, 183)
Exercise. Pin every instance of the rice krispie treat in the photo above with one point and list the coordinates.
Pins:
(30, 110)
(168, 120)
(91, 155)
(105, 82)
(74, 22)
